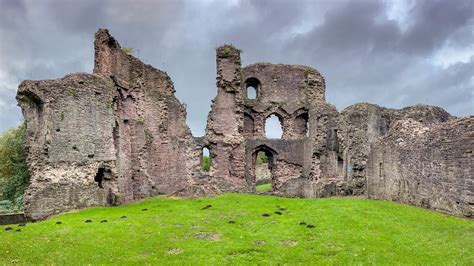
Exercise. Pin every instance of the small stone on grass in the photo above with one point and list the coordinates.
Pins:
(59, 222)
(279, 213)
(8, 228)
(302, 223)
(88, 221)
(266, 215)
(207, 207)
(310, 226)
(103, 221)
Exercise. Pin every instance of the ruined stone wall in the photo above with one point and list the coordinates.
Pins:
(150, 133)
(69, 125)
(225, 124)
(361, 125)
(288, 91)
(296, 95)
(430, 166)
(103, 139)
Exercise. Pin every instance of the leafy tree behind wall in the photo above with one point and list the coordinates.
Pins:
(206, 163)
(261, 158)
(14, 174)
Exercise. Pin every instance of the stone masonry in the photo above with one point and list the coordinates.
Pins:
(120, 134)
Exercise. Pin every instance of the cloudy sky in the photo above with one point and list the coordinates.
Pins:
(392, 53)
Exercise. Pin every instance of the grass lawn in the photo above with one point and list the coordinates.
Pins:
(166, 230)
(264, 187)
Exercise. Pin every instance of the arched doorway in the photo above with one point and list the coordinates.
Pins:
(263, 160)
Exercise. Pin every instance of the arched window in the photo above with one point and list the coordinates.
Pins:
(273, 127)
(252, 87)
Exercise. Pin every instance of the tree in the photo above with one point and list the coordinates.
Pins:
(206, 163)
(14, 174)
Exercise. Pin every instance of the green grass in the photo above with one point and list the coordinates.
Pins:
(264, 187)
(179, 231)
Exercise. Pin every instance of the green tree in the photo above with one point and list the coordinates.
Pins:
(261, 158)
(206, 163)
(14, 174)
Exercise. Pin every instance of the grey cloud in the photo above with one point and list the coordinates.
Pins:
(364, 55)
(435, 21)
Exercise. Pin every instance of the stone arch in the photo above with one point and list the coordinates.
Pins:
(271, 155)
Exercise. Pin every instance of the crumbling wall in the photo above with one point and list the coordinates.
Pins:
(362, 124)
(225, 124)
(69, 125)
(430, 166)
(151, 133)
(104, 139)
(296, 95)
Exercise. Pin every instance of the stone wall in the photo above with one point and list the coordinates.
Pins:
(12, 218)
(426, 166)
(66, 144)
(363, 124)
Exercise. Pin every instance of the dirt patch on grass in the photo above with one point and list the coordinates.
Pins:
(174, 251)
(289, 243)
(208, 236)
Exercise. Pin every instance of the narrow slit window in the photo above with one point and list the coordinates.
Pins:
(205, 160)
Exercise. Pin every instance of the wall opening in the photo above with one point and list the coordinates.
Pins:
(273, 127)
(340, 166)
(99, 177)
(380, 169)
(251, 93)
(262, 170)
(205, 159)
(300, 125)
(252, 87)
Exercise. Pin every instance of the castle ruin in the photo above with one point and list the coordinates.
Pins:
(120, 135)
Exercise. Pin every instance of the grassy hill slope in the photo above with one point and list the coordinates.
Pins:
(232, 230)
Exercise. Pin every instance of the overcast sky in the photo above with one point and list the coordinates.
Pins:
(392, 53)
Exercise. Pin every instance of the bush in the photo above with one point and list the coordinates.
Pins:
(14, 174)
(127, 50)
